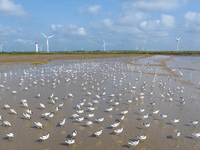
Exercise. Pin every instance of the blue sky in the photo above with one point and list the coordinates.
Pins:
(82, 25)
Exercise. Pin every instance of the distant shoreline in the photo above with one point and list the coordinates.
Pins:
(39, 58)
(185, 53)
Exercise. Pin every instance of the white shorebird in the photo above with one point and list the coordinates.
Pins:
(119, 130)
(122, 118)
(80, 119)
(89, 115)
(6, 106)
(115, 124)
(145, 116)
(134, 143)
(156, 111)
(44, 137)
(42, 106)
(100, 119)
(141, 110)
(10, 135)
(38, 124)
(29, 111)
(196, 134)
(178, 133)
(109, 109)
(146, 125)
(194, 122)
(124, 112)
(7, 123)
(175, 120)
(74, 133)
(141, 137)
(27, 116)
(70, 95)
(70, 141)
(75, 115)
(98, 133)
(62, 122)
(13, 111)
(88, 123)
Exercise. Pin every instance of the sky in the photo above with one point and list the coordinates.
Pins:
(151, 25)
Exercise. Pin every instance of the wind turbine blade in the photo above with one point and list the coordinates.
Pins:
(103, 41)
(50, 36)
(44, 35)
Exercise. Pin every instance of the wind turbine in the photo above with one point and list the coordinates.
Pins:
(1, 47)
(177, 42)
(47, 40)
(40, 48)
(104, 45)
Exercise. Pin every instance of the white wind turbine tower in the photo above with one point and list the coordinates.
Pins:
(177, 42)
(1, 47)
(47, 40)
(40, 48)
(104, 45)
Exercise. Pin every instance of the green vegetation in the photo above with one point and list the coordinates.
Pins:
(36, 63)
(107, 52)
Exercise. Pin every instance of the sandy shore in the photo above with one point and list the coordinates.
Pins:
(156, 77)
(13, 60)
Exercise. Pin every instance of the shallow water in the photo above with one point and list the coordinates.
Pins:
(118, 75)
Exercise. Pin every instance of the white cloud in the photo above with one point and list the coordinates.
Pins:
(157, 4)
(70, 29)
(7, 7)
(94, 9)
(130, 18)
(24, 41)
(5, 31)
(192, 21)
(165, 23)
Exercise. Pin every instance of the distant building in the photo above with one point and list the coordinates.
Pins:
(36, 46)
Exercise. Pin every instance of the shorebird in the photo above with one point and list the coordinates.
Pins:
(74, 133)
(62, 122)
(88, 123)
(141, 137)
(124, 112)
(10, 135)
(109, 109)
(195, 122)
(141, 110)
(29, 111)
(89, 115)
(146, 124)
(98, 133)
(196, 134)
(156, 111)
(27, 116)
(119, 130)
(70, 141)
(38, 124)
(178, 133)
(7, 123)
(115, 124)
(99, 119)
(44, 137)
(134, 143)
(13, 111)
(42, 106)
(80, 119)
(175, 120)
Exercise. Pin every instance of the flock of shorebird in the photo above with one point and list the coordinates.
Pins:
(85, 109)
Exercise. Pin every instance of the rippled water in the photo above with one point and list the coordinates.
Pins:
(113, 76)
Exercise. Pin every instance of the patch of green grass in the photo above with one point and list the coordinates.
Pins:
(36, 63)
